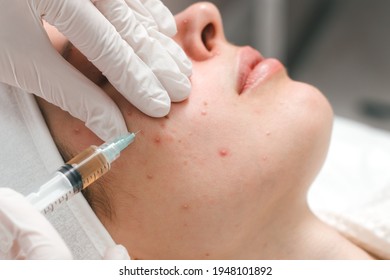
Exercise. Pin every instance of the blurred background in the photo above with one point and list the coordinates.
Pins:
(340, 46)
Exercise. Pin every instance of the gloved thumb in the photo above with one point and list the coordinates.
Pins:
(25, 233)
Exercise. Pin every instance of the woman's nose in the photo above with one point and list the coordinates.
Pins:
(200, 31)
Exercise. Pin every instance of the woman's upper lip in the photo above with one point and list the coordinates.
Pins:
(248, 59)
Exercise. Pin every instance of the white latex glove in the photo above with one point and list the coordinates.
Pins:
(27, 234)
(128, 40)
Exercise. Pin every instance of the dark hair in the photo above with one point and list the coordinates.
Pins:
(99, 198)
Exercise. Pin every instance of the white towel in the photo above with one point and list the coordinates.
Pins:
(368, 224)
(352, 192)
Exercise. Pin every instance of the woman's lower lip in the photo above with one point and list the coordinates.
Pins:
(262, 72)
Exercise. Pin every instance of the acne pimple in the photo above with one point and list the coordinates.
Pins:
(268, 133)
(129, 113)
(205, 103)
(223, 152)
(185, 21)
(265, 158)
(157, 140)
(203, 113)
(185, 207)
(150, 177)
(76, 131)
(163, 125)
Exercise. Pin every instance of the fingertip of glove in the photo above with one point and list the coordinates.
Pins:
(169, 29)
(181, 91)
(109, 125)
(159, 109)
(9, 193)
(187, 67)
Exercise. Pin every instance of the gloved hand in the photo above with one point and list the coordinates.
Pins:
(27, 234)
(128, 40)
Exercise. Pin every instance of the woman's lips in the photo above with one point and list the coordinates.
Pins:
(253, 68)
(248, 59)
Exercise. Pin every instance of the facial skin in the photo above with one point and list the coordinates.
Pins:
(225, 174)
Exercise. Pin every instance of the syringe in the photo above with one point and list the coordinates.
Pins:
(78, 173)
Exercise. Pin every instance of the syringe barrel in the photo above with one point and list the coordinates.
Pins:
(53, 193)
(70, 179)
(91, 164)
(78, 173)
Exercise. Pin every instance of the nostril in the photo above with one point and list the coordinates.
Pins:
(208, 33)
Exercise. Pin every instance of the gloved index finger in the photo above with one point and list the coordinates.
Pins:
(158, 13)
(159, 24)
(97, 39)
(170, 72)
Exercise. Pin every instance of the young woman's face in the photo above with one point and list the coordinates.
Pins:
(201, 182)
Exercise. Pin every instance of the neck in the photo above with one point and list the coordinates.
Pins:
(295, 233)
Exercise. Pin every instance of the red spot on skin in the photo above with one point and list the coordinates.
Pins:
(76, 131)
(185, 162)
(205, 103)
(142, 133)
(150, 177)
(185, 206)
(207, 254)
(163, 125)
(203, 113)
(157, 140)
(223, 152)
(129, 113)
